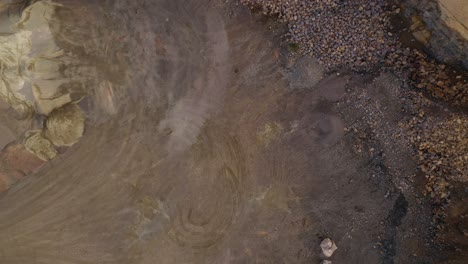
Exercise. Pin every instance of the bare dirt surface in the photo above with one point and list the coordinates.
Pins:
(205, 142)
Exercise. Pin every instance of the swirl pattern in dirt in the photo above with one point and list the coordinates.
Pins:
(206, 212)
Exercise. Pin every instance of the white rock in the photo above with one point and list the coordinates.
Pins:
(328, 247)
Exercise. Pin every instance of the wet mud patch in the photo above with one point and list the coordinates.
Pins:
(394, 219)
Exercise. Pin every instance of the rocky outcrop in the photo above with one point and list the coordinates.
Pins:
(442, 27)
(455, 14)
(39, 81)
(36, 76)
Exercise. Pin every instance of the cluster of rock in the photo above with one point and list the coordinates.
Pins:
(337, 33)
(38, 80)
(442, 150)
(362, 36)
(358, 35)
(438, 79)
(328, 247)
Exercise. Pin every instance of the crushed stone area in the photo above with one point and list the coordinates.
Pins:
(360, 35)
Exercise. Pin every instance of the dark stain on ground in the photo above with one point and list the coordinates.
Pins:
(394, 220)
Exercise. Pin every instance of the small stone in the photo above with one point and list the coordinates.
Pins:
(326, 262)
(36, 143)
(328, 247)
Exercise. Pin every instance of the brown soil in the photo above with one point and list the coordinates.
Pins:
(207, 142)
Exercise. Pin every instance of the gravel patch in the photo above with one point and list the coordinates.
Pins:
(358, 35)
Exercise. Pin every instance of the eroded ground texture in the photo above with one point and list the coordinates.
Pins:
(171, 131)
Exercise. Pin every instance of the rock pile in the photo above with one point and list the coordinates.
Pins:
(445, 152)
(337, 33)
(442, 147)
(357, 35)
(38, 81)
(439, 80)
